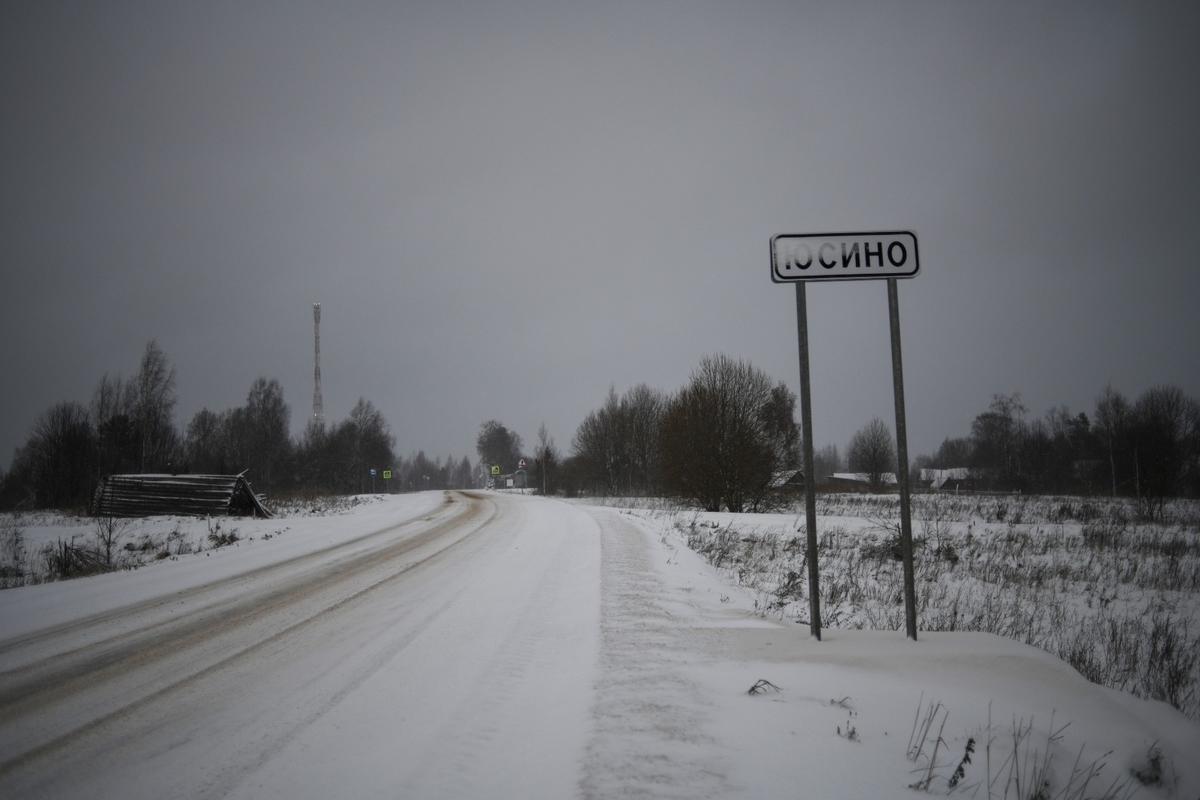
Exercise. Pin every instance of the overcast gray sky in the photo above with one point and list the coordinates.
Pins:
(506, 207)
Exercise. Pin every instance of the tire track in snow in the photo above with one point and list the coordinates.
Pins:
(475, 755)
(648, 739)
(317, 702)
(78, 629)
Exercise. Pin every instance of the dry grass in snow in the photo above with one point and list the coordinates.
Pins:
(1116, 597)
(41, 547)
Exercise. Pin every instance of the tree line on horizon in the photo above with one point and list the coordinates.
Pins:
(719, 441)
(128, 427)
(722, 439)
(1147, 449)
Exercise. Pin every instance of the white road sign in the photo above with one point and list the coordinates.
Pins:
(843, 256)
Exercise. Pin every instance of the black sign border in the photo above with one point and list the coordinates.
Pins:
(776, 279)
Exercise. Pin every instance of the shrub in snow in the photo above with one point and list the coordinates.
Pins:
(12, 552)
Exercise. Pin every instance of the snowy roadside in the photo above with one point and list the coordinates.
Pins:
(541, 649)
(841, 723)
(193, 559)
(1114, 596)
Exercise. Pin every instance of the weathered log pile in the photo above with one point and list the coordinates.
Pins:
(193, 495)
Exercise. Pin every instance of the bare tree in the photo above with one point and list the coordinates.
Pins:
(60, 455)
(464, 476)
(996, 436)
(112, 397)
(1113, 419)
(1166, 430)
(367, 440)
(496, 444)
(616, 447)
(872, 452)
(118, 445)
(779, 421)
(154, 404)
(204, 446)
(691, 450)
(721, 435)
(109, 531)
(545, 460)
(601, 447)
(642, 410)
(267, 418)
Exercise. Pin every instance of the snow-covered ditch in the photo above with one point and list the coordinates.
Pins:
(158, 555)
(47, 546)
(1115, 597)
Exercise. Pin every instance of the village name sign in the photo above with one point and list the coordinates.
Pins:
(802, 257)
(843, 256)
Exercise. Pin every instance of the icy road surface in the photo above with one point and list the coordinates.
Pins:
(488, 645)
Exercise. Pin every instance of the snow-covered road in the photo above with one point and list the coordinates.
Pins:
(489, 645)
(441, 657)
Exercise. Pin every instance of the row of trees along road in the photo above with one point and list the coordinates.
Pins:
(617, 447)
(498, 446)
(129, 428)
(717, 441)
(1148, 449)
(720, 438)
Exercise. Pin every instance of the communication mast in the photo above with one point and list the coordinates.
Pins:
(318, 406)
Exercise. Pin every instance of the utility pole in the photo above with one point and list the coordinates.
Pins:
(318, 411)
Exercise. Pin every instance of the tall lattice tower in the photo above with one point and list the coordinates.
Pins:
(318, 406)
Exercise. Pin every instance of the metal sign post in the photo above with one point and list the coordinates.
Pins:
(799, 258)
(906, 543)
(810, 486)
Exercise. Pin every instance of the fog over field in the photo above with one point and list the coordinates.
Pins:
(506, 208)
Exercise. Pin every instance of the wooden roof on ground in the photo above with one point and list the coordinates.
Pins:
(192, 495)
(785, 478)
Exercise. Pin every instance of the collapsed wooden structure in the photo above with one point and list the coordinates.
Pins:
(784, 481)
(192, 495)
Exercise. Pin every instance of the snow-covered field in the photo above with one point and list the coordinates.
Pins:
(504, 646)
(1117, 598)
